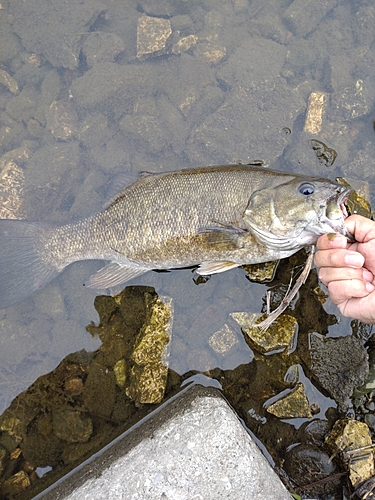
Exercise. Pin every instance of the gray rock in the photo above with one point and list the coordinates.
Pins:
(236, 131)
(102, 47)
(247, 63)
(303, 16)
(111, 88)
(42, 27)
(339, 364)
(195, 447)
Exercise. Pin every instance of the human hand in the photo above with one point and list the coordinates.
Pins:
(348, 269)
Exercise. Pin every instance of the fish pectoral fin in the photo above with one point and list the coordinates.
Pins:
(215, 267)
(113, 274)
(221, 233)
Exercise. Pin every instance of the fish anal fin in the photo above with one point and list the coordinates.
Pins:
(215, 267)
(114, 274)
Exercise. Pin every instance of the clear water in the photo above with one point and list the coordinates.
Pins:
(233, 96)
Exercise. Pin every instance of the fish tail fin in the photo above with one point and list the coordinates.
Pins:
(24, 265)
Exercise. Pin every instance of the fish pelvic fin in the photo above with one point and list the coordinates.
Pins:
(215, 267)
(24, 267)
(114, 274)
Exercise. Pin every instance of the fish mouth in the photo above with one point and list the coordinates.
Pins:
(342, 202)
(343, 199)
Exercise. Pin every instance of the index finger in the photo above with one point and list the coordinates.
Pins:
(330, 241)
(362, 228)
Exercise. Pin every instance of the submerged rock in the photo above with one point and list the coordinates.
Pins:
(339, 364)
(152, 36)
(295, 404)
(148, 375)
(280, 336)
(223, 340)
(306, 463)
(70, 413)
(261, 273)
(351, 440)
(315, 111)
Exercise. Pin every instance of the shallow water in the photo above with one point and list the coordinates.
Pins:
(87, 108)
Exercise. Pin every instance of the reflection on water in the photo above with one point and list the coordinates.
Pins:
(86, 93)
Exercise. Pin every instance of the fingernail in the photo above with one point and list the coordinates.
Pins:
(354, 259)
(370, 287)
(367, 275)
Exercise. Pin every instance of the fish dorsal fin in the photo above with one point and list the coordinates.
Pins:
(120, 182)
(114, 274)
(215, 267)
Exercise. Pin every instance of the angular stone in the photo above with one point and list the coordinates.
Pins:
(294, 405)
(315, 110)
(223, 340)
(194, 447)
(71, 427)
(339, 364)
(352, 441)
(278, 337)
(42, 27)
(152, 35)
(304, 15)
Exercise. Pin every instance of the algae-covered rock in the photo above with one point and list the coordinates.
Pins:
(15, 484)
(99, 403)
(120, 372)
(148, 375)
(261, 273)
(351, 440)
(71, 426)
(295, 404)
(280, 336)
(325, 155)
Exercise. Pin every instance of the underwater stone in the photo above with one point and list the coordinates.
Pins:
(99, 403)
(261, 273)
(71, 427)
(184, 44)
(351, 440)
(339, 364)
(15, 484)
(304, 16)
(152, 36)
(315, 111)
(62, 120)
(351, 102)
(12, 180)
(148, 375)
(13, 426)
(295, 404)
(278, 337)
(8, 81)
(306, 460)
(223, 340)
(120, 372)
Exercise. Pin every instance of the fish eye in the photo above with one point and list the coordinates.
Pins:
(306, 189)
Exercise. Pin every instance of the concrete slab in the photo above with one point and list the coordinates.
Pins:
(192, 448)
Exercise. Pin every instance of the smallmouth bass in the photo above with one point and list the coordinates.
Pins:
(216, 218)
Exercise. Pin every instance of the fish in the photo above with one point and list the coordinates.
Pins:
(214, 218)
